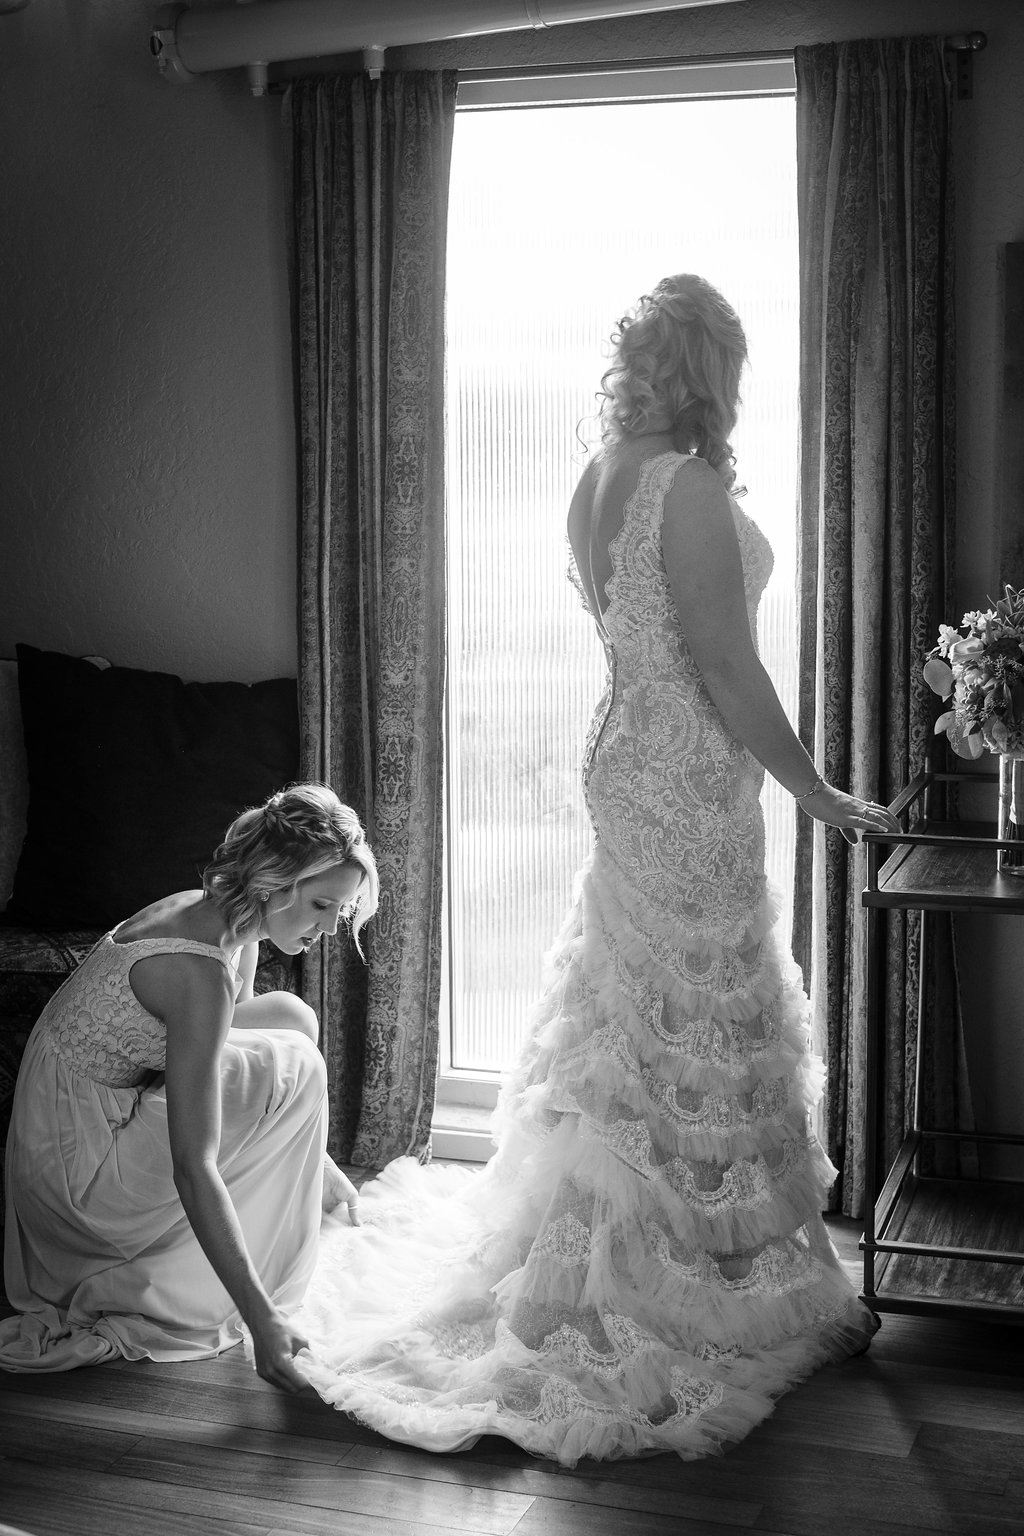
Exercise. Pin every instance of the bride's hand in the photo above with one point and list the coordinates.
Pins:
(851, 814)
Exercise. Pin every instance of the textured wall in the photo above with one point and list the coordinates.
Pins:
(146, 434)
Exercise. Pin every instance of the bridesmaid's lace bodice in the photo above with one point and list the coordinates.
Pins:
(672, 794)
(96, 1024)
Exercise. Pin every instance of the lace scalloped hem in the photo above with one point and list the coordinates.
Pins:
(693, 1414)
(475, 1303)
(715, 1124)
(607, 996)
(717, 1205)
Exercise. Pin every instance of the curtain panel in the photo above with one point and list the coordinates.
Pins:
(876, 538)
(369, 194)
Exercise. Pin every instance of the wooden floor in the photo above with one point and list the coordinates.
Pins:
(923, 1434)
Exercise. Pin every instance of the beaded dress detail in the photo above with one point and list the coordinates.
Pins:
(642, 1266)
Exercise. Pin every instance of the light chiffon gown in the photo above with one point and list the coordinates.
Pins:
(643, 1265)
(100, 1259)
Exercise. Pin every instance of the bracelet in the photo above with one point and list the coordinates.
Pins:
(818, 783)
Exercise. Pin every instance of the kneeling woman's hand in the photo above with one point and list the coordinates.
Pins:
(339, 1190)
(275, 1343)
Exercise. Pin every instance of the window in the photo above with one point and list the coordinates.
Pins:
(560, 217)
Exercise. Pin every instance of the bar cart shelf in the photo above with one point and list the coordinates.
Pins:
(936, 1246)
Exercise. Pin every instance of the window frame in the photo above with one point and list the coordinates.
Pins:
(465, 1098)
(646, 80)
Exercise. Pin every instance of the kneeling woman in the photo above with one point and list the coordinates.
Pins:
(166, 1163)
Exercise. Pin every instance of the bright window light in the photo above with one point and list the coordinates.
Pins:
(559, 219)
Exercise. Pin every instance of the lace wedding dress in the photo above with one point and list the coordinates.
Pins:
(643, 1265)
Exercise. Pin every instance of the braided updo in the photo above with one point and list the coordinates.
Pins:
(680, 354)
(300, 832)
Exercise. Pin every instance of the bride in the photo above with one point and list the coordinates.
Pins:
(643, 1265)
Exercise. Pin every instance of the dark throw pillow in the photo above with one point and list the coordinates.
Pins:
(133, 779)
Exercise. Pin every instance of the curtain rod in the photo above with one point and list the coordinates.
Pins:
(958, 42)
(963, 44)
(616, 66)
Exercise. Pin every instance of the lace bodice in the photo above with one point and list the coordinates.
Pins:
(97, 1025)
(672, 794)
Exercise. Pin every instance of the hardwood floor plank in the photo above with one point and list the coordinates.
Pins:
(941, 1396)
(844, 1407)
(846, 1521)
(970, 1450)
(995, 1349)
(222, 1437)
(304, 1415)
(761, 1469)
(341, 1488)
(551, 1517)
(73, 1444)
(817, 1470)
(168, 1505)
(548, 1480)
(843, 1523)
(230, 1368)
(46, 1514)
(813, 1501)
(808, 1487)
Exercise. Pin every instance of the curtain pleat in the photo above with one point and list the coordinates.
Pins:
(876, 539)
(369, 192)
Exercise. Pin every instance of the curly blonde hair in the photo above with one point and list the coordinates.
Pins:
(680, 354)
(299, 832)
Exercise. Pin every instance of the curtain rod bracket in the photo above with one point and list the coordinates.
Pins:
(257, 77)
(965, 45)
(373, 61)
(163, 45)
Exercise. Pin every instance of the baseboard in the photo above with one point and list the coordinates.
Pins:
(460, 1132)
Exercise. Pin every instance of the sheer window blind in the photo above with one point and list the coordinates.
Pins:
(559, 219)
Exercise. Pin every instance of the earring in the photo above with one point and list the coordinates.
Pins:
(262, 896)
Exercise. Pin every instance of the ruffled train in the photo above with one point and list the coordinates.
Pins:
(642, 1266)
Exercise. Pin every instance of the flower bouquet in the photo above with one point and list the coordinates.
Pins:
(981, 674)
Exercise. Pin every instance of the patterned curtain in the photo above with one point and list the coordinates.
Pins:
(876, 538)
(370, 163)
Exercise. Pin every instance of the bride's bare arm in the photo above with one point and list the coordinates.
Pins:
(702, 560)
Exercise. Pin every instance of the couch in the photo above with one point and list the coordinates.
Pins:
(115, 786)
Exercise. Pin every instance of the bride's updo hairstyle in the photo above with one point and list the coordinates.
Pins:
(680, 354)
(300, 832)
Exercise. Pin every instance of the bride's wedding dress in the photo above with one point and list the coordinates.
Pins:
(643, 1265)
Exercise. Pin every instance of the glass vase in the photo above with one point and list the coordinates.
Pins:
(1010, 861)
